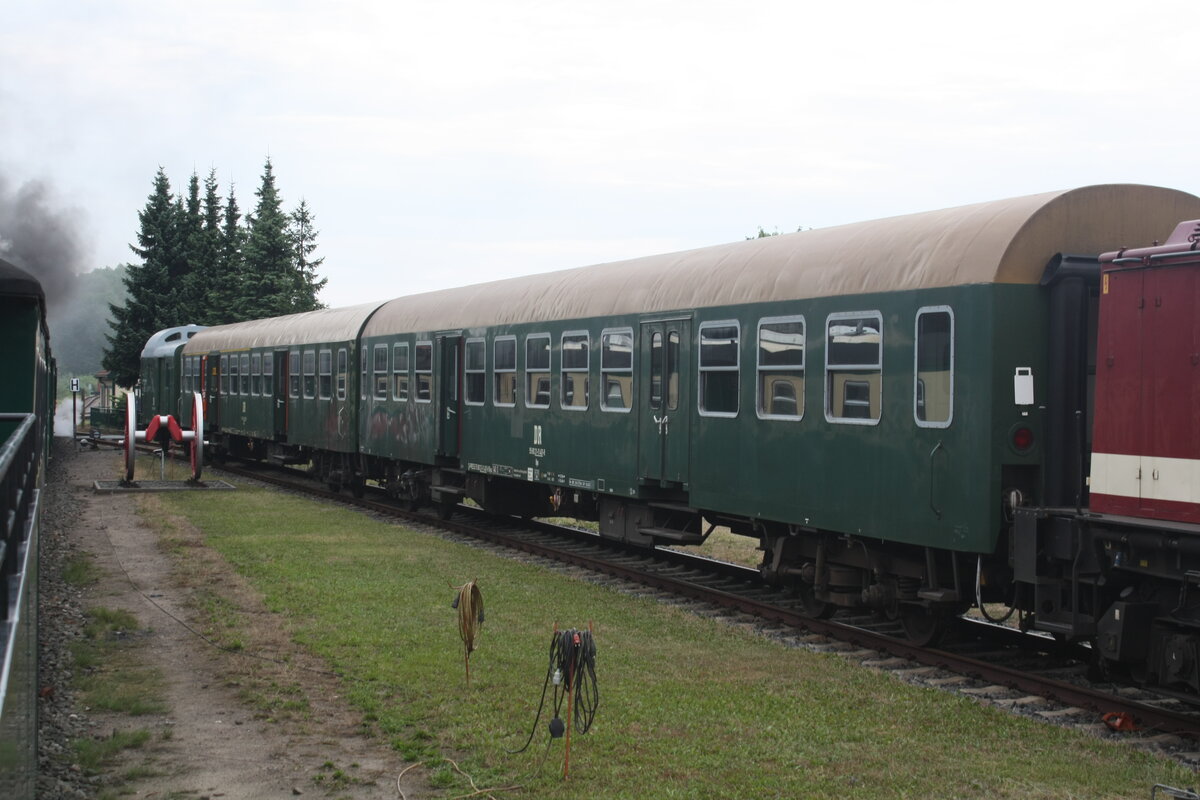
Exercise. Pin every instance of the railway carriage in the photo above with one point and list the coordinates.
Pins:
(870, 401)
(27, 397)
(900, 412)
(163, 373)
(283, 388)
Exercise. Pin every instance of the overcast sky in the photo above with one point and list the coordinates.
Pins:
(452, 142)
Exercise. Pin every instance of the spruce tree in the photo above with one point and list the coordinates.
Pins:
(303, 236)
(149, 305)
(225, 294)
(269, 284)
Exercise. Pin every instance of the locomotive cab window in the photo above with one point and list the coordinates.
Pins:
(381, 371)
(423, 367)
(400, 371)
(537, 371)
(475, 371)
(294, 374)
(325, 374)
(504, 365)
(854, 367)
(574, 377)
(933, 368)
(616, 369)
(780, 384)
(310, 374)
(719, 364)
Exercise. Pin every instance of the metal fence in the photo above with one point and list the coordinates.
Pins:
(20, 494)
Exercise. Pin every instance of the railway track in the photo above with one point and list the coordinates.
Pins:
(1027, 673)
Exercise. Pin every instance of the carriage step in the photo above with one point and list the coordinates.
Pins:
(677, 508)
(673, 536)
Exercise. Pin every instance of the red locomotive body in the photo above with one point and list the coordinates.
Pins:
(1146, 435)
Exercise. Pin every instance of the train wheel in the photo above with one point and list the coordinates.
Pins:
(817, 609)
(130, 436)
(922, 626)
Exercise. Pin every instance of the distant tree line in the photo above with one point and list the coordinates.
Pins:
(203, 263)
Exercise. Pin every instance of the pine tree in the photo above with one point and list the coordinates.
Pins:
(150, 304)
(227, 289)
(303, 237)
(269, 285)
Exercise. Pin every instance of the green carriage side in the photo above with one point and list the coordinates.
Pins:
(29, 383)
(887, 381)
(284, 387)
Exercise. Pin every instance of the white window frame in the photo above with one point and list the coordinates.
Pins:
(406, 372)
(916, 354)
(701, 369)
(878, 366)
(585, 371)
(604, 406)
(549, 370)
(480, 370)
(496, 372)
(803, 367)
(417, 373)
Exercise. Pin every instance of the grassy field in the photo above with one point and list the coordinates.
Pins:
(688, 708)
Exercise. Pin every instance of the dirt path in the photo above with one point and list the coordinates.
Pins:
(227, 733)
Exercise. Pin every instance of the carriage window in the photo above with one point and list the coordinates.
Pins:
(781, 368)
(343, 369)
(231, 385)
(537, 370)
(325, 374)
(504, 365)
(310, 374)
(719, 362)
(574, 378)
(268, 382)
(380, 371)
(854, 367)
(256, 374)
(423, 367)
(245, 377)
(475, 371)
(400, 371)
(616, 369)
(933, 379)
(294, 373)
(656, 370)
(187, 375)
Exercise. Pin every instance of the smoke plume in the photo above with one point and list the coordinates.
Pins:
(41, 237)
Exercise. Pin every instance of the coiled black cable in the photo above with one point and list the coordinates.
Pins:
(572, 667)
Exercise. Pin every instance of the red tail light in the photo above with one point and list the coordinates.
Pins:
(1022, 439)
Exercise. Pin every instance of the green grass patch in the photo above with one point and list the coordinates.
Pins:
(80, 571)
(94, 754)
(688, 708)
(109, 673)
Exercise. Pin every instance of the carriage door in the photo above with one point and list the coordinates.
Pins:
(212, 391)
(448, 390)
(664, 400)
(280, 389)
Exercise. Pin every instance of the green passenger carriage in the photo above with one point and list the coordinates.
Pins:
(283, 388)
(874, 403)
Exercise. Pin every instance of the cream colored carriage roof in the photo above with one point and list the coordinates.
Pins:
(309, 327)
(1004, 241)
